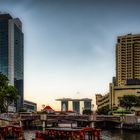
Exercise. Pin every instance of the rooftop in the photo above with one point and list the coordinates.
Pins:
(71, 99)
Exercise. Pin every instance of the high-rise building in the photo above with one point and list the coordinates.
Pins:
(128, 59)
(127, 80)
(76, 106)
(11, 53)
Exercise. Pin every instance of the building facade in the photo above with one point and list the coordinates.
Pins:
(64, 105)
(127, 80)
(75, 105)
(30, 106)
(127, 59)
(12, 53)
(119, 92)
(102, 100)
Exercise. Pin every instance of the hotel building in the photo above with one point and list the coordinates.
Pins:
(127, 80)
(128, 59)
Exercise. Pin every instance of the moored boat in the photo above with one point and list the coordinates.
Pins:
(68, 134)
(11, 132)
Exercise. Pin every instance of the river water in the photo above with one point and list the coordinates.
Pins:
(106, 135)
(120, 135)
(29, 135)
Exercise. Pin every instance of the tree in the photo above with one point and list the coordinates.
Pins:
(22, 110)
(87, 112)
(103, 110)
(8, 94)
(3, 80)
(128, 101)
(138, 101)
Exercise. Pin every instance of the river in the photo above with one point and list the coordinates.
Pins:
(106, 135)
(120, 135)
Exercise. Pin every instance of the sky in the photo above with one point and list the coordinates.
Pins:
(69, 45)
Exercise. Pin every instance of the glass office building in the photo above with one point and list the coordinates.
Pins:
(11, 53)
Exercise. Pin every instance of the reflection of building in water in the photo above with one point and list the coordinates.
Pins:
(77, 104)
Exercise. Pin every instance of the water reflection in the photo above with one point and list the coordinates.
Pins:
(120, 135)
(29, 135)
(106, 135)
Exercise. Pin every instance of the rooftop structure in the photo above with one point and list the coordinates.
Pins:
(70, 99)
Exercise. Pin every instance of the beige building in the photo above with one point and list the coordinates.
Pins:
(127, 80)
(119, 91)
(102, 100)
(127, 58)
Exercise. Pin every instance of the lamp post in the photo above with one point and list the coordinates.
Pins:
(92, 116)
(43, 118)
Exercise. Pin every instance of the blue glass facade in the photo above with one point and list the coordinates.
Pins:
(87, 104)
(12, 53)
(76, 106)
(4, 46)
(18, 63)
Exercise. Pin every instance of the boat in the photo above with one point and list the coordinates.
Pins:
(68, 134)
(11, 132)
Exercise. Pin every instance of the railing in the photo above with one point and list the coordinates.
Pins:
(108, 118)
(29, 116)
(6, 116)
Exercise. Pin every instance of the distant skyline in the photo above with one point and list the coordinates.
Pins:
(70, 45)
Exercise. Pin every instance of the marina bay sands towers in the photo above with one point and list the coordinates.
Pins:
(76, 105)
(12, 53)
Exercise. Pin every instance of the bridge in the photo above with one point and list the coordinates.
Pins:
(108, 121)
(24, 117)
(28, 120)
(81, 120)
(31, 117)
(61, 117)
